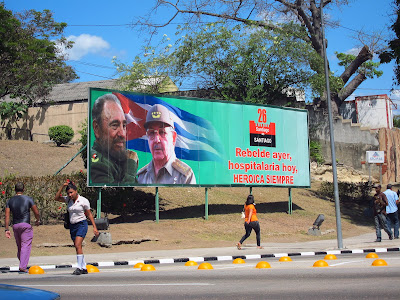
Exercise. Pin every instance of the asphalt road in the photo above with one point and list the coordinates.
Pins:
(347, 277)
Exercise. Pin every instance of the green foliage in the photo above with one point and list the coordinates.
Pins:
(318, 83)
(240, 63)
(393, 53)
(83, 132)
(31, 61)
(369, 68)
(11, 111)
(316, 152)
(149, 74)
(61, 134)
(43, 189)
(396, 121)
(359, 192)
(244, 63)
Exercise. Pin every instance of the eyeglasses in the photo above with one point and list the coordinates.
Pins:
(162, 132)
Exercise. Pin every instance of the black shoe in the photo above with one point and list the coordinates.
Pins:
(77, 272)
(391, 237)
(84, 271)
(377, 240)
(396, 238)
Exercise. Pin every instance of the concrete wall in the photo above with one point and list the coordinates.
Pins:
(36, 123)
(351, 140)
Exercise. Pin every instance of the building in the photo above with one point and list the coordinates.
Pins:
(374, 111)
(67, 104)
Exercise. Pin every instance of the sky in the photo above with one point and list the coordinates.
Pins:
(96, 42)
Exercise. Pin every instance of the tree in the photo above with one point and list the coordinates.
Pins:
(31, 59)
(240, 63)
(393, 53)
(396, 121)
(147, 74)
(307, 13)
(243, 63)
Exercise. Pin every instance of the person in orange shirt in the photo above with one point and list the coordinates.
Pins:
(251, 222)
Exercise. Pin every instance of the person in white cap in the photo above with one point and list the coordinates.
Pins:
(164, 168)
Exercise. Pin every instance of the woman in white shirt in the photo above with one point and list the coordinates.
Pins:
(78, 208)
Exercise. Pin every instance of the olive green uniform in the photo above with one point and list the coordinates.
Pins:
(104, 169)
(175, 171)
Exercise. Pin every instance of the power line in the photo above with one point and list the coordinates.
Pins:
(92, 64)
(356, 31)
(94, 75)
(99, 25)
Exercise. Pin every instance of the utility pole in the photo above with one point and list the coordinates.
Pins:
(332, 139)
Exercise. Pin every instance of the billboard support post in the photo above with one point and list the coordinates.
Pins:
(157, 206)
(251, 190)
(206, 205)
(290, 201)
(98, 211)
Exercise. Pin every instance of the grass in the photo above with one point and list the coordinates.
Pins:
(182, 223)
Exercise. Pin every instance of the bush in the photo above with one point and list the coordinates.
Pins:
(122, 201)
(61, 134)
(348, 192)
(315, 152)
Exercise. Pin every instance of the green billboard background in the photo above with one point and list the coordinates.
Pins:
(248, 145)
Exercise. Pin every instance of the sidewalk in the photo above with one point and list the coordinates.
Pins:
(359, 244)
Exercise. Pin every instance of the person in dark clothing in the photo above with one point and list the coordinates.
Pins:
(251, 222)
(379, 208)
(20, 206)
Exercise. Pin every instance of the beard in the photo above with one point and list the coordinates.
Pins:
(116, 155)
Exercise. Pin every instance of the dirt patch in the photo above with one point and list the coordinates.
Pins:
(182, 223)
(24, 158)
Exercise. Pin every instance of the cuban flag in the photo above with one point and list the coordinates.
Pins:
(197, 138)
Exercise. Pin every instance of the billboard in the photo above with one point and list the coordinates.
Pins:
(152, 140)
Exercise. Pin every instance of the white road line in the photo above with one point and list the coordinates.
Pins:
(120, 285)
(119, 270)
(346, 262)
(106, 264)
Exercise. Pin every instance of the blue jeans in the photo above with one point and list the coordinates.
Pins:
(393, 221)
(381, 223)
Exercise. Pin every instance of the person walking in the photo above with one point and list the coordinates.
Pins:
(78, 208)
(251, 222)
(392, 216)
(20, 206)
(379, 208)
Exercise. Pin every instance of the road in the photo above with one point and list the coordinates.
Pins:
(348, 277)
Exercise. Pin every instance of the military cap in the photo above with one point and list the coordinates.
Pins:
(159, 113)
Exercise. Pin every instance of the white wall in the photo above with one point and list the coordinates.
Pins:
(374, 111)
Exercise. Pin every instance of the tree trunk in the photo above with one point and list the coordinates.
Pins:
(364, 55)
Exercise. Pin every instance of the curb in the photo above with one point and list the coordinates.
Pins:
(209, 258)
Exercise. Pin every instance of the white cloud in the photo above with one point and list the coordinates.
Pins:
(86, 44)
(353, 51)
